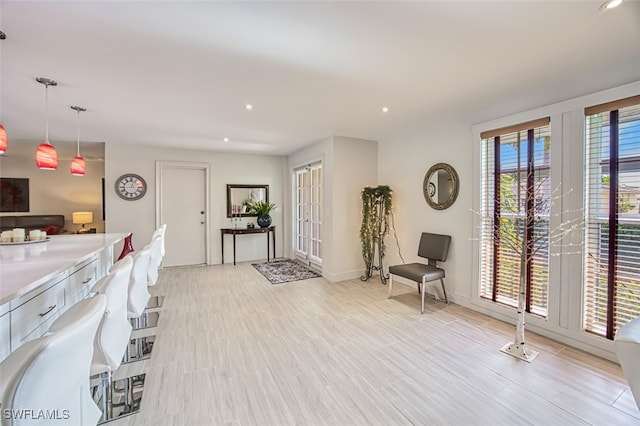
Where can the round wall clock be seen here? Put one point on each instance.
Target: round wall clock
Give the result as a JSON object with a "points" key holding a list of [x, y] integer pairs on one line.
{"points": [[130, 187]]}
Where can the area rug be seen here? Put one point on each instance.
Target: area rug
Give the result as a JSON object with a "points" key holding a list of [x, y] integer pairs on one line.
{"points": [[283, 271]]}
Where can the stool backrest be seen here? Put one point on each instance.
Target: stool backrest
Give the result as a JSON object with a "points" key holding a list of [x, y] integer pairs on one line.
{"points": [[52, 372], [138, 289], [114, 330], [434, 246], [155, 260]]}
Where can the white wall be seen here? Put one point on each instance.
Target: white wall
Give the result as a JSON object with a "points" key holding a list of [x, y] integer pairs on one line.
{"points": [[225, 168], [405, 158], [56, 191], [355, 166], [403, 162], [349, 164]]}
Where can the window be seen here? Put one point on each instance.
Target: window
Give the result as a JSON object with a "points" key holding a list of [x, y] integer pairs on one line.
{"points": [[612, 216], [516, 202]]}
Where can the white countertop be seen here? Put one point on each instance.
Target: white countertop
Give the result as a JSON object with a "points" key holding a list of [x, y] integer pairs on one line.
{"points": [[24, 267]]}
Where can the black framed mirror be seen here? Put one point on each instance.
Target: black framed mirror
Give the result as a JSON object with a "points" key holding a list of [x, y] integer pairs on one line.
{"points": [[440, 186], [240, 196]]}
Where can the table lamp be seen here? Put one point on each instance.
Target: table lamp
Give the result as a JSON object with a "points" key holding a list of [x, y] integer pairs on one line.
{"points": [[82, 218]]}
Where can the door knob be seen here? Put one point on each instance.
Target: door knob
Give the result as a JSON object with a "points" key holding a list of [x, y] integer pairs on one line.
{"points": [[201, 211], [202, 223]]}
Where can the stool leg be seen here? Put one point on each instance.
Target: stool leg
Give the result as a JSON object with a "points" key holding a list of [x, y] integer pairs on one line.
{"points": [[390, 285], [422, 295], [107, 409], [444, 291]]}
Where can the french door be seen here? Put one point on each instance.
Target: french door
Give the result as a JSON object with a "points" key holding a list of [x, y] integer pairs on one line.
{"points": [[308, 214]]}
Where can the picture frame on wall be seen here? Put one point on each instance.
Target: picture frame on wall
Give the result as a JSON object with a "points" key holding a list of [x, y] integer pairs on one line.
{"points": [[14, 195]]}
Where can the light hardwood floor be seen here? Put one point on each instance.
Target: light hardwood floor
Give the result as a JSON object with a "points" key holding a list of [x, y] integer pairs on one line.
{"points": [[233, 349]]}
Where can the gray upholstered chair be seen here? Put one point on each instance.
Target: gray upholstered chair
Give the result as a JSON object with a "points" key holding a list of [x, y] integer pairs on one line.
{"points": [[435, 248]]}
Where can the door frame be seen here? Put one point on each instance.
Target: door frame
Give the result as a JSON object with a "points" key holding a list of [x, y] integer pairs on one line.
{"points": [[161, 165], [308, 259]]}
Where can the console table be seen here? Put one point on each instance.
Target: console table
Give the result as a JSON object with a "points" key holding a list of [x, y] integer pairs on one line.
{"points": [[243, 231]]}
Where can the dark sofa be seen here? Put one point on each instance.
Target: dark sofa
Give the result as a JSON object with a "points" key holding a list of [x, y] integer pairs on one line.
{"points": [[51, 223]]}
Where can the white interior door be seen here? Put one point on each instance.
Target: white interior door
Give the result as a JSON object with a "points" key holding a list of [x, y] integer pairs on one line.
{"points": [[183, 199], [308, 214]]}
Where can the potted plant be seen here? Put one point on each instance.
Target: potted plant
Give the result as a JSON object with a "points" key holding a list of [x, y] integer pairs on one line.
{"points": [[262, 209]]}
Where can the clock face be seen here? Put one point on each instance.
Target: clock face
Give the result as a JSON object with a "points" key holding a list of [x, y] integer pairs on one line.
{"points": [[432, 189], [131, 187]]}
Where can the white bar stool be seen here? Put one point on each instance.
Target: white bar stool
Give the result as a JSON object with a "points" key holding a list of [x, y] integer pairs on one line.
{"points": [[112, 337], [52, 372], [627, 343]]}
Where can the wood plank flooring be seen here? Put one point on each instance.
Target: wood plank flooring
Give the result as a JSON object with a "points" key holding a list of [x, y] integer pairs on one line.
{"points": [[233, 349]]}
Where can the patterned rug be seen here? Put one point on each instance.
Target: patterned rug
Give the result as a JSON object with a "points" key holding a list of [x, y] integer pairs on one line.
{"points": [[282, 271]]}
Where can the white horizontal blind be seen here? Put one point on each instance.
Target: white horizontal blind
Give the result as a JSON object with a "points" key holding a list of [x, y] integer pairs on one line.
{"points": [[612, 218], [506, 211]]}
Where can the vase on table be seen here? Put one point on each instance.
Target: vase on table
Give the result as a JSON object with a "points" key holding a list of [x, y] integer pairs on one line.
{"points": [[264, 220]]}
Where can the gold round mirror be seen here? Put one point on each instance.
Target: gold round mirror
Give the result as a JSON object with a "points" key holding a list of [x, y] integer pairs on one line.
{"points": [[440, 186]]}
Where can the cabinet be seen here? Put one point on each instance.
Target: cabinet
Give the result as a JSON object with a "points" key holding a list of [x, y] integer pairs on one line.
{"points": [[5, 331], [82, 278], [32, 314]]}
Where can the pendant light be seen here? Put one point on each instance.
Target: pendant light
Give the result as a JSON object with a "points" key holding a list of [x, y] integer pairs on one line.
{"points": [[4, 141], [46, 156], [78, 165]]}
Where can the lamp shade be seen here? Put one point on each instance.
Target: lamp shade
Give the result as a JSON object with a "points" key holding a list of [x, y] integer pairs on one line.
{"points": [[78, 166], [46, 157], [81, 218], [3, 139]]}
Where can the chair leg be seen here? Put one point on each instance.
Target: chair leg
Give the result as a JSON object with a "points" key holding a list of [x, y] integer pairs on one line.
{"points": [[390, 285], [422, 295], [444, 291], [107, 409]]}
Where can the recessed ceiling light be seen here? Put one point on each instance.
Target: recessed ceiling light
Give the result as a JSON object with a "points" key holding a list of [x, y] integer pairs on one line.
{"points": [[385, 109], [226, 139], [248, 106], [610, 4]]}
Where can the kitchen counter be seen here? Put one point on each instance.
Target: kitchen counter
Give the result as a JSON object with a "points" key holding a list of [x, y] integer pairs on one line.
{"points": [[25, 267]]}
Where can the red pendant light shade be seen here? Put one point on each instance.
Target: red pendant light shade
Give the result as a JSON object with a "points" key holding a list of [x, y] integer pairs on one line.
{"points": [[3, 139], [46, 157], [78, 166]]}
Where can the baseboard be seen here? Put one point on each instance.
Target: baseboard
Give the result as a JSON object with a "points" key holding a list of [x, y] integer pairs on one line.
{"points": [[342, 276]]}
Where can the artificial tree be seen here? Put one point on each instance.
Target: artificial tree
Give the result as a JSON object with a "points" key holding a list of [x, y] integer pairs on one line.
{"points": [[376, 213]]}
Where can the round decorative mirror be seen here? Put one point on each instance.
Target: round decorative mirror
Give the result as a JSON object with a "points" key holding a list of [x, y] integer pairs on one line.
{"points": [[440, 186]]}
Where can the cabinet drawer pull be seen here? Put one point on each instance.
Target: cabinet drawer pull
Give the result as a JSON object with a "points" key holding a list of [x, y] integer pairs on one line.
{"points": [[87, 280], [51, 308]]}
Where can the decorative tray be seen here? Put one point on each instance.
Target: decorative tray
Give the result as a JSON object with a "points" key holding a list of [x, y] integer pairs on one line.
{"points": [[17, 243]]}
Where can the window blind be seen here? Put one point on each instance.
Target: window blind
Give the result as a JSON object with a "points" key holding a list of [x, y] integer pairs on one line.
{"points": [[515, 205], [612, 216]]}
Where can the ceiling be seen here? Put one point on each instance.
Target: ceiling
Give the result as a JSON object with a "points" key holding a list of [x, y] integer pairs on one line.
{"points": [[179, 74]]}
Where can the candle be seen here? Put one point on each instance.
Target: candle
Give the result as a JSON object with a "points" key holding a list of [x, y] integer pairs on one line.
{"points": [[43, 235], [6, 236], [34, 235], [18, 235]]}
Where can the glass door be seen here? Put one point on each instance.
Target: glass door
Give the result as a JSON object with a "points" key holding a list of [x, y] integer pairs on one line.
{"points": [[308, 214]]}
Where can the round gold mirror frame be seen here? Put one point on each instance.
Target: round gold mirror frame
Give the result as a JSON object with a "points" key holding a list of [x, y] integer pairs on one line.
{"points": [[440, 186]]}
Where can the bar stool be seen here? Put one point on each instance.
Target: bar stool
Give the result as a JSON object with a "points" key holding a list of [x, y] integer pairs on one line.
{"points": [[138, 288], [114, 331], [155, 259], [52, 372]]}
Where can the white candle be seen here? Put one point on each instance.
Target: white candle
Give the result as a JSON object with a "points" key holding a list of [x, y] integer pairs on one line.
{"points": [[34, 235], [6, 236], [43, 235], [18, 235]]}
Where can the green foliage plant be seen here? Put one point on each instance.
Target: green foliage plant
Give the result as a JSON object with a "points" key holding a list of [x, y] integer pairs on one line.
{"points": [[375, 223]]}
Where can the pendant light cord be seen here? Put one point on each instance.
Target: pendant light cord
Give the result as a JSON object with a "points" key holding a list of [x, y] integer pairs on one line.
{"points": [[78, 127], [46, 113]]}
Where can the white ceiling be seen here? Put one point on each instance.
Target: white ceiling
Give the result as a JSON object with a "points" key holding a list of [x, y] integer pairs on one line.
{"points": [[179, 73]]}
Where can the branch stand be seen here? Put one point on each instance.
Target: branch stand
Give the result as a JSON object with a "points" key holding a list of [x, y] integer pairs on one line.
{"points": [[375, 246]]}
